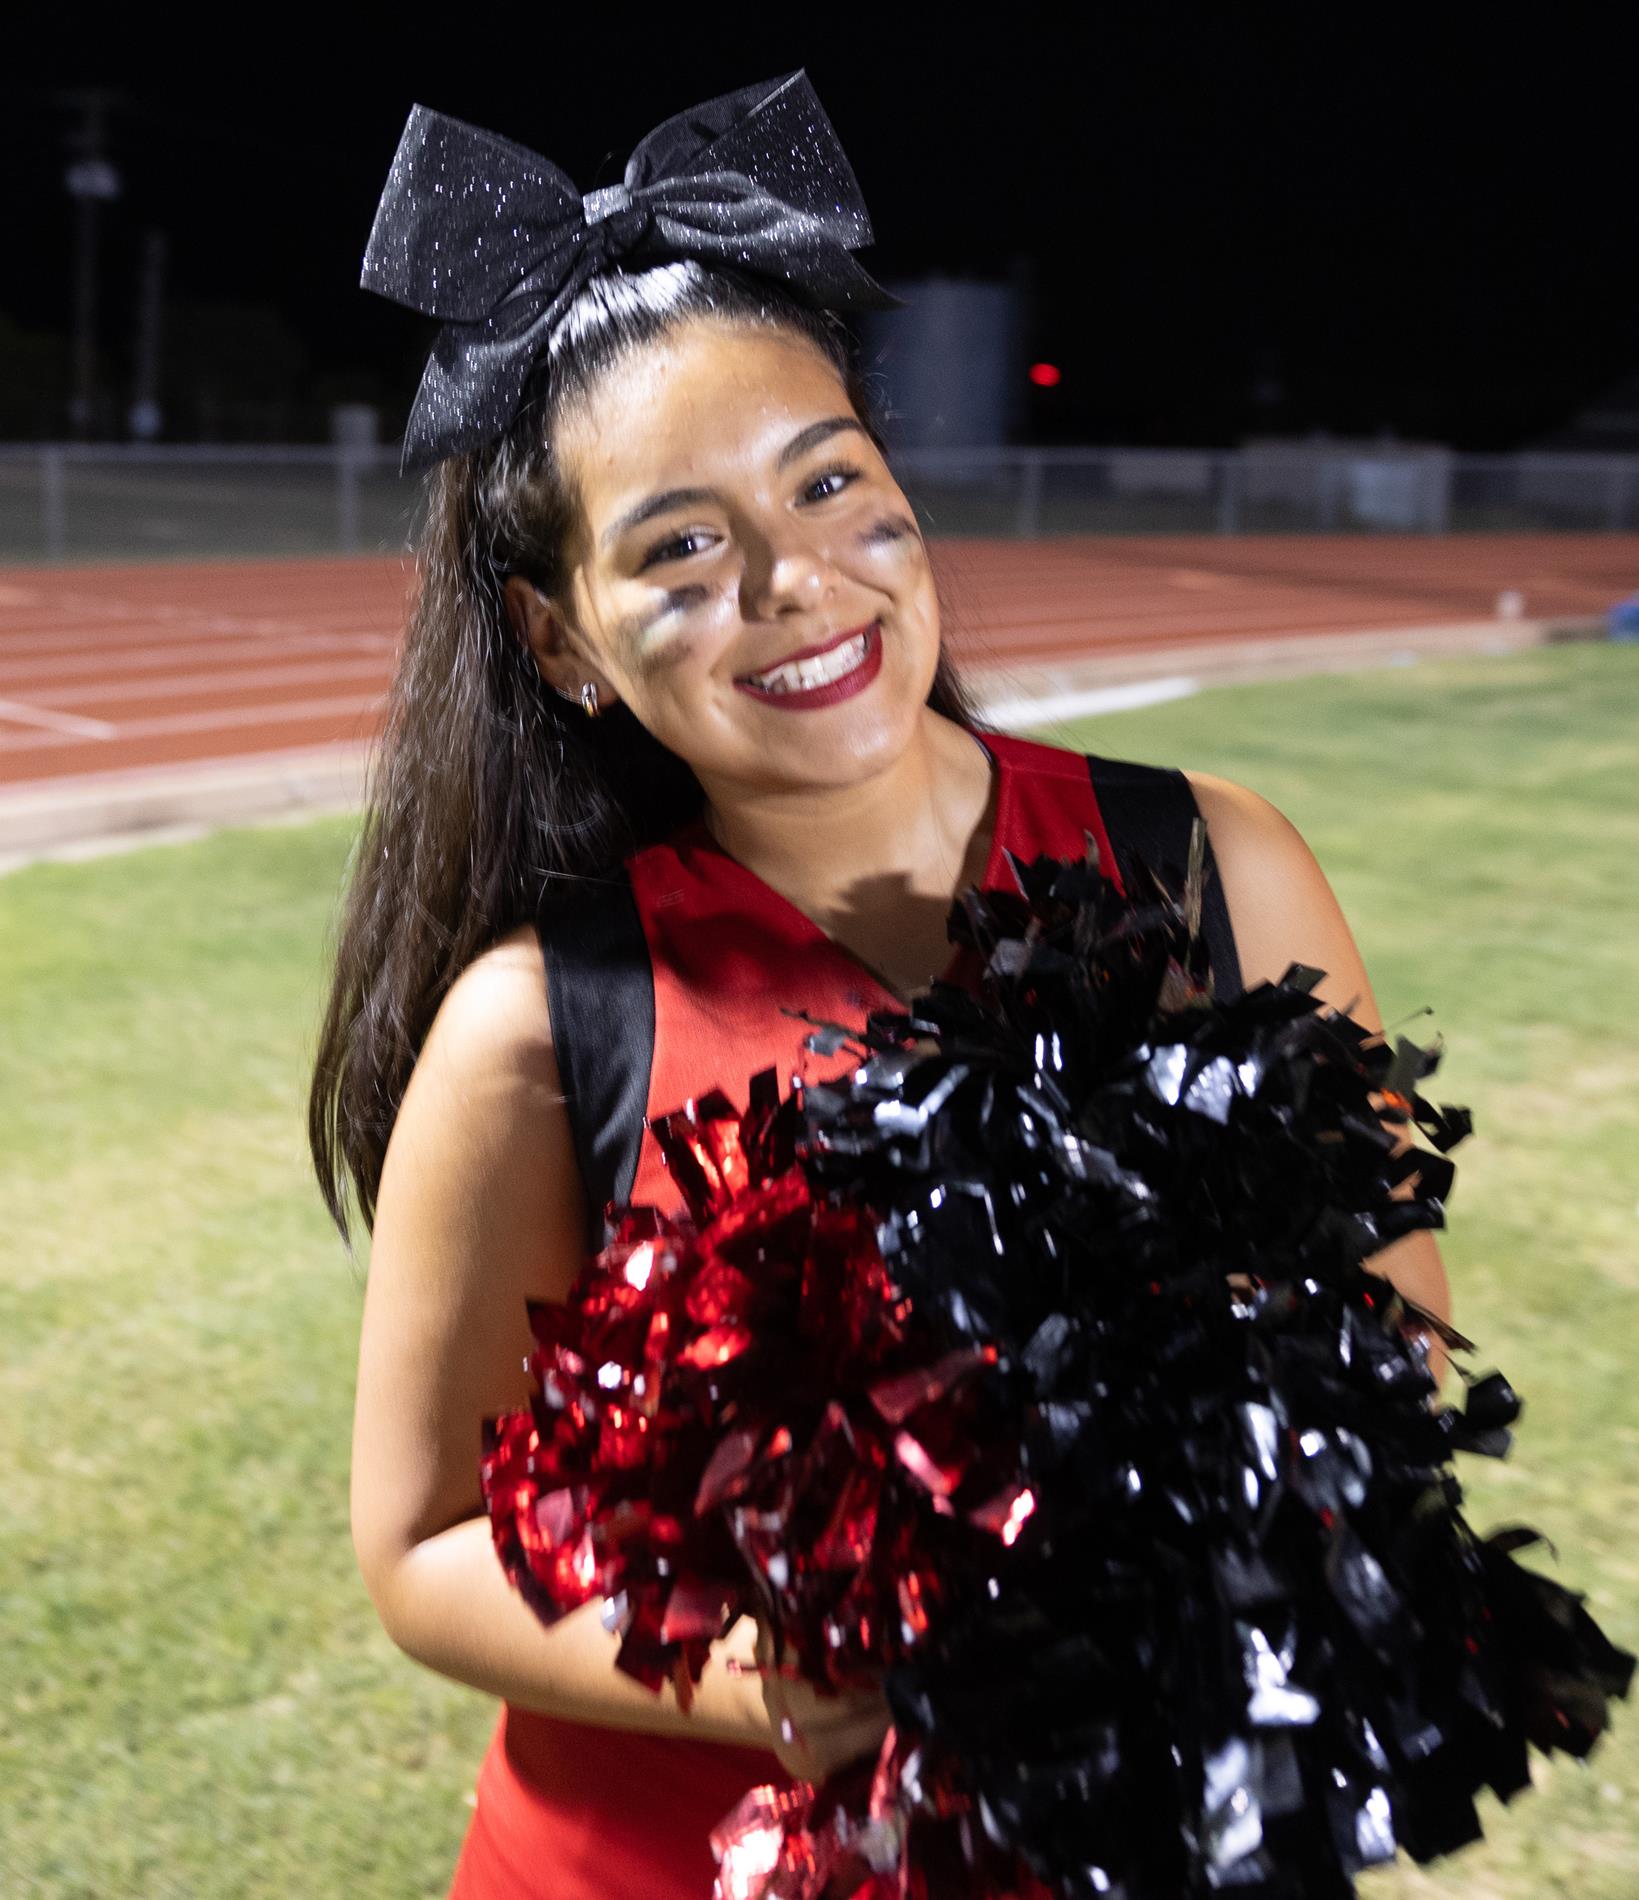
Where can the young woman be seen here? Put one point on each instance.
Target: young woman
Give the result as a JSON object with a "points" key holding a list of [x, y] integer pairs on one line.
{"points": [[677, 645]]}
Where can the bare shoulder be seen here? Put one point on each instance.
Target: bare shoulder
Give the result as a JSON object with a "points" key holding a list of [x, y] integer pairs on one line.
{"points": [[1234, 810], [482, 1130], [480, 1210], [495, 1009], [1282, 908], [1252, 839]]}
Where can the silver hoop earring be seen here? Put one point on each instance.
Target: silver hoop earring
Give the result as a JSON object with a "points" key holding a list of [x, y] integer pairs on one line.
{"points": [[586, 698]]}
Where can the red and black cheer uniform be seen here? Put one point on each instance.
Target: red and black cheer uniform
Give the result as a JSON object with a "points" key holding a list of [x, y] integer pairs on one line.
{"points": [[670, 979]]}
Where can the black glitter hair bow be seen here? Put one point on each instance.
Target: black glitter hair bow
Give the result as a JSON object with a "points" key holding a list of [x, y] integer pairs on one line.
{"points": [[494, 239]]}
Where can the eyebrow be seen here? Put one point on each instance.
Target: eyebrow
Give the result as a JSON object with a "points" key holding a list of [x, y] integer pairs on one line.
{"points": [[663, 503]]}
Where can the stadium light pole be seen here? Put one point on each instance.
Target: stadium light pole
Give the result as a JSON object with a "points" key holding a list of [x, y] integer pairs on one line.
{"points": [[90, 179], [145, 418]]}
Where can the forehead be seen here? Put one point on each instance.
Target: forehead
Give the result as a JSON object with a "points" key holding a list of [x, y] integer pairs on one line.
{"points": [[708, 396]]}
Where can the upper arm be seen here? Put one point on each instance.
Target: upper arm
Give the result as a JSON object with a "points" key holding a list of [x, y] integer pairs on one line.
{"points": [[480, 1208], [1282, 910]]}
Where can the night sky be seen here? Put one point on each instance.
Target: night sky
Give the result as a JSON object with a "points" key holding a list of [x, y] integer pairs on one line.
{"points": [[1240, 219]]}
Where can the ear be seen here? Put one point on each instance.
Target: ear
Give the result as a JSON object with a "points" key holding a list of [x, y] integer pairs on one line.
{"points": [[542, 626]]}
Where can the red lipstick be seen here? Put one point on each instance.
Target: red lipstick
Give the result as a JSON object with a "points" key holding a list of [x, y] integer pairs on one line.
{"points": [[804, 699]]}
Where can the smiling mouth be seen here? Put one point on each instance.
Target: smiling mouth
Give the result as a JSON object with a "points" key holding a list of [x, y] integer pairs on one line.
{"points": [[814, 669]]}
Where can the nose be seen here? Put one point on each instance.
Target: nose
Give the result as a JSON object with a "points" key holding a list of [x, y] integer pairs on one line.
{"points": [[787, 570]]}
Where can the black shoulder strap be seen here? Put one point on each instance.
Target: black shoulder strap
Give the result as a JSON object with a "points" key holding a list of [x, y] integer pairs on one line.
{"points": [[600, 986], [1149, 809], [600, 989]]}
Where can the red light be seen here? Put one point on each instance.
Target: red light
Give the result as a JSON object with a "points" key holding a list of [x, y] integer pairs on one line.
{"points": [[1045, 375]]}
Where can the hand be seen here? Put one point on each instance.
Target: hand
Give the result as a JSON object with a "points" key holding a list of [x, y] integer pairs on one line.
{"points": [[815, 1734]]}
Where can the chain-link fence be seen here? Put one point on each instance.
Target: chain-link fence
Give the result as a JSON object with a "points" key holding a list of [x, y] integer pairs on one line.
{"points": [[72, 502]]}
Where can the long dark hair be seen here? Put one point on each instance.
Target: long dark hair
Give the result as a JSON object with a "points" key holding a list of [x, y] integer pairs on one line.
{"points": [[488, 795]]}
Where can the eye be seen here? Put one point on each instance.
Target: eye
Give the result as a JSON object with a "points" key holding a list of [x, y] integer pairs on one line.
{"points": [[679, 547], [676, 549], [843, 473]]}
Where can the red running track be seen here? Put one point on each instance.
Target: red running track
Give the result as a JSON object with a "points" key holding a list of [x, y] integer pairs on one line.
{"points": [[105, 669]]}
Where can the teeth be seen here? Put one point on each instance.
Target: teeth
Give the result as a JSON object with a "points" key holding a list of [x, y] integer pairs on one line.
{"points": [[799, 675]]}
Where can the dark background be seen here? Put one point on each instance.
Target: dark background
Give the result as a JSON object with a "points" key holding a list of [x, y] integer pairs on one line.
{"points": [[1237, 219]]}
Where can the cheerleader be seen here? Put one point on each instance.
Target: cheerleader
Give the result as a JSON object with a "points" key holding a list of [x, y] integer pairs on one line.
{"points": [[673, 747]]}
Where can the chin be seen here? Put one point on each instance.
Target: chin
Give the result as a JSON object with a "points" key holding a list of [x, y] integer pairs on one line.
{"points": [[854, 748]]}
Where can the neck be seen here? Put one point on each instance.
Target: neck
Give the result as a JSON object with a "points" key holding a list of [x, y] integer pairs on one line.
{"points": [[910, 831]]}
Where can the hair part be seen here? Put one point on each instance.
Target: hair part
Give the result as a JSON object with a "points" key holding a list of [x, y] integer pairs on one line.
{"points": [[488, 796]]}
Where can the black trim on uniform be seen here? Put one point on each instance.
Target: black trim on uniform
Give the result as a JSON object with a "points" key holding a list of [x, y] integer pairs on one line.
{"points": [[600, 988], [600, 984], [1149, 809]]}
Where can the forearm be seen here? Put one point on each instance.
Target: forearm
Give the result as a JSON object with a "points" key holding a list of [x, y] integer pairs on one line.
{"points": [[1413, 1265], [450, 1605]]}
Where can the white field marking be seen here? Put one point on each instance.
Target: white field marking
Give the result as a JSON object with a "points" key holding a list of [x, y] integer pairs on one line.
{"points": [[1009, 713], [54, 621], [75, 661], [71, 725], [221, 720], [138, 636], [78, 610], [272, 626], [80, 607], [1141, 620], [114, 686]]}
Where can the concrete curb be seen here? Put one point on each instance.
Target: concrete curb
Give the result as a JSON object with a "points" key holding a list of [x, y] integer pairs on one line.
{"points": [[84, 817], [76, 817], [1019, 693]]}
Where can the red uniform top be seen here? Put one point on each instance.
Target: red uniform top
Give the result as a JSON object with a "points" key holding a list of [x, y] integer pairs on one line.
{"points": [[573, 1811]]}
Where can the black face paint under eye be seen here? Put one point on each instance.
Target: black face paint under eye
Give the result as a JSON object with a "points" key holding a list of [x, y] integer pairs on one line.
{"points": [[633, 635], [889, 528], [674, 600]]}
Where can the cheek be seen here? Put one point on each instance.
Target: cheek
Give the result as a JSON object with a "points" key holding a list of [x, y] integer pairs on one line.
{"points": [[891, 530], [889, 548], [677, 637], [897, 561]]}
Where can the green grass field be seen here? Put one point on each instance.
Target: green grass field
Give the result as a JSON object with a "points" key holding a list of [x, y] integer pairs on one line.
{"points": [[197, 1700]]}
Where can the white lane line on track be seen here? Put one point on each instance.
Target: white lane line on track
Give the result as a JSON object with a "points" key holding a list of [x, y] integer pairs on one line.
{"points": [[205, 721], [59, 725], [176, 685], [76, 664], [110, 646]]}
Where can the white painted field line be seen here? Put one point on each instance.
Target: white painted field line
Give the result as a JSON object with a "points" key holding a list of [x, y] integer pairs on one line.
{"points": [[1011, 714], [105, 663], [221, 720], [72, 725], [43, 644], [112, 685]]}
